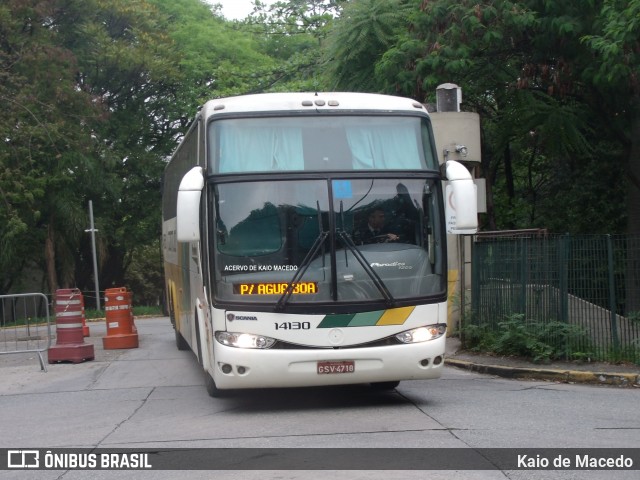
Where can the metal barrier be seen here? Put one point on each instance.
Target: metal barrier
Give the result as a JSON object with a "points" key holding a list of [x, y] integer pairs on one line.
{"points": [[591, 282], [25, 326]]}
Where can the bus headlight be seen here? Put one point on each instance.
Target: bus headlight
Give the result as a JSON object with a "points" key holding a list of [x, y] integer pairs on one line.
{"points": [[422, 334], [244, 340]]}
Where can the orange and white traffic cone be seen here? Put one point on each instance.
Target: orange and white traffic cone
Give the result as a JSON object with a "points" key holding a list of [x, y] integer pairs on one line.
{"points": [[85, 327], [121, 331], [70, 346]]}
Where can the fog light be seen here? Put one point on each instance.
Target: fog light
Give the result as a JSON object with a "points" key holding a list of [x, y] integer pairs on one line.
{"points": [[437, 360], [241, 370], [226, 368], [424, 362]]}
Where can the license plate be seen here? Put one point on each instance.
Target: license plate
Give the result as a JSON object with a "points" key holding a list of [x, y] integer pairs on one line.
{"points": [[344, 366]]}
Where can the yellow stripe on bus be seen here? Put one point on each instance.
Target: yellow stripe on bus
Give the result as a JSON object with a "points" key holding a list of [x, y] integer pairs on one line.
{"points": [[395, 316]]}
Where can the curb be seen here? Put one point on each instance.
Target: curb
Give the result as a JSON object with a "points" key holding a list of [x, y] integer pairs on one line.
{"points": [[564, 376]]}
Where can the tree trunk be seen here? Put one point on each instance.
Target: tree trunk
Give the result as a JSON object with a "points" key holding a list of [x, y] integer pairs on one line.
{"points": [[508, 174], [50, 258], [633, 199], [489, 176]]}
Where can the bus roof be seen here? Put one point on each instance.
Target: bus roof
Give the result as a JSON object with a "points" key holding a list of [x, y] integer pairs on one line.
{"points": [[296, 102]]}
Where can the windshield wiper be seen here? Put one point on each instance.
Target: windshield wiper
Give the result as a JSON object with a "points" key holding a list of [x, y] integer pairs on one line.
{"points": [[301, 271], [319, 242], [377, 281], [304, 266]]}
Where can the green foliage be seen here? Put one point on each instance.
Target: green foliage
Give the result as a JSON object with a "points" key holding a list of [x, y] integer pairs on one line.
{"points": [[145, 277], [292, 33], [617, 44], [365, 30], [215, 59], [549, 112], [96, 94], [616, 72], [517, 338], [47, 144], [539, 341]]}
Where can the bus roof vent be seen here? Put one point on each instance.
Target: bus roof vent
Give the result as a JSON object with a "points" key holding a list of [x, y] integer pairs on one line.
{"points": [[307, 103], [220, 106], [333, 103]]}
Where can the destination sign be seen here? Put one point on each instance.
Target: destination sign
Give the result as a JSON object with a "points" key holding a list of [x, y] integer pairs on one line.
{"points": [[274, 288]]}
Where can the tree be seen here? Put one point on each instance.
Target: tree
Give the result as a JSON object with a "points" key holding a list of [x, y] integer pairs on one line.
{"points": [[365, 31], [98, 94], [521, 66], [47, 143], [617, 73], [215, 58], [292, 33], [89, 82]]}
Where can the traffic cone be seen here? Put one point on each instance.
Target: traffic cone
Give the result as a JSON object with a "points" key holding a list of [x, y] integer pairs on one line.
{"points": [[85, 327], [121, 331], [70, 346]]}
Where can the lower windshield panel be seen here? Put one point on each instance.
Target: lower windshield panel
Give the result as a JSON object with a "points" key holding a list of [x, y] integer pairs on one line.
{"points": [[273, 241]]}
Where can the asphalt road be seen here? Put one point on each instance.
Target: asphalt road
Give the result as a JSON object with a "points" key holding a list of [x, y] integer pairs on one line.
{"points": [[154, 397]]}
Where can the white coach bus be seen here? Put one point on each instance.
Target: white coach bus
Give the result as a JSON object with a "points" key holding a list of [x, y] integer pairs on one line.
{"points": [[304, 241]]}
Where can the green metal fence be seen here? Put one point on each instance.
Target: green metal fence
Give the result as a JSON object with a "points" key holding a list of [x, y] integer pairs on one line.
{"points": [[591, 282]]}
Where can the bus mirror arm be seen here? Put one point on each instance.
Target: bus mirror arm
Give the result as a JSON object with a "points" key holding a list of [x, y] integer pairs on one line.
{"points": [[188, 206]]}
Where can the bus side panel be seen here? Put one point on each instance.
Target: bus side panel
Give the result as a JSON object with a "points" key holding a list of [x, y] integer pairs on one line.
{"points": [[197, 316], [179, 262], [176, 282]]}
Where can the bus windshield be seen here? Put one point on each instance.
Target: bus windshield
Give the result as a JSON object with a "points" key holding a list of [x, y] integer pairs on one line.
{"points": [[327, 240], [318, 143]]}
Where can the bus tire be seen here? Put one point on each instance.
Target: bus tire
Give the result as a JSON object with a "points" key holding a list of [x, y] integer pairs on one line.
{"points": [[198, 344], [212, 389], [181, 343], [384, 386]]}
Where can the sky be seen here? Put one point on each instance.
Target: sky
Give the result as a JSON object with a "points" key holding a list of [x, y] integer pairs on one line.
{"points": [[236, 9]]}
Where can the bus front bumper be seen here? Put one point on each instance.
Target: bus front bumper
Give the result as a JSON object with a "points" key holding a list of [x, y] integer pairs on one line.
{"points": [[237, 368]]}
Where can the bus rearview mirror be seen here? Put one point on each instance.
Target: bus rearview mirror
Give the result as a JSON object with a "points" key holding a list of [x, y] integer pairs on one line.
{"points": [[188, 207]]}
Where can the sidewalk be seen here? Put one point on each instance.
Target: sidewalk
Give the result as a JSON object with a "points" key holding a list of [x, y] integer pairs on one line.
{"points": [[597, 373]]}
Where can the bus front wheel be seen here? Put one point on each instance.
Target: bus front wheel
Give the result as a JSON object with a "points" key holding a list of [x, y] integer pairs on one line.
{"points": [[212, 389]]}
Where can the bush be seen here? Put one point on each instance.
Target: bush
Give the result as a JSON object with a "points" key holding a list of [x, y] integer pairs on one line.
{"points": [[539, 341]]}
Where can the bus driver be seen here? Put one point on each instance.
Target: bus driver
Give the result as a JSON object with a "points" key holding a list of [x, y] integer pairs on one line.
{"points": [[376, 231]]}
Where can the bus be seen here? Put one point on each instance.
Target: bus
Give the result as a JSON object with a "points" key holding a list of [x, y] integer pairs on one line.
{"points": [[275, 276]]}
